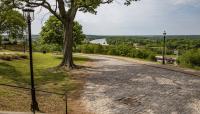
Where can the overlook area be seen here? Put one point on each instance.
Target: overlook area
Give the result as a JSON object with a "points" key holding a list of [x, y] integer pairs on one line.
{"points": [[99, 57]]}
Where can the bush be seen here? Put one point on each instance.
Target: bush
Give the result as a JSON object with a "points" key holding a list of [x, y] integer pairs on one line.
{"points": [[152, 57], [112, 51], [46, 47], [121, 50], [90, 48], [190, 59], [98, 49], [86, 49]]}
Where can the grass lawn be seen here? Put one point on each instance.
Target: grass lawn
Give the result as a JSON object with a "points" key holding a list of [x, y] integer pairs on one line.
{"points": [[47, 77]]}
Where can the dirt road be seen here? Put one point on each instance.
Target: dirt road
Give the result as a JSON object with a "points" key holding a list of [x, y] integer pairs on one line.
{"points": [[120, 87]]}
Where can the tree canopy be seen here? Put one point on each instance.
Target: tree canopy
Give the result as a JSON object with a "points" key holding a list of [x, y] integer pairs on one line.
{"points": [[11, 22], [52, 32]]}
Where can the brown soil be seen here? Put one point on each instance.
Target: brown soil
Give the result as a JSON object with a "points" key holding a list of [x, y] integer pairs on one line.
{"points": [[75, 104]]}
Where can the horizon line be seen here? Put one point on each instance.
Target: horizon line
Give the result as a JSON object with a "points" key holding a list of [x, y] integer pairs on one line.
{"points": [[142, 35]]}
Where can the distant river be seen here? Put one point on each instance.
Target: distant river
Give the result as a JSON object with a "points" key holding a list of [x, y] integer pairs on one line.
{"points": [[99, 41]]}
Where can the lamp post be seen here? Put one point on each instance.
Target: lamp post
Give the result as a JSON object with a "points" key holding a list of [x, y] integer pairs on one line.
{"points": [[29, 16], [164, 46]]}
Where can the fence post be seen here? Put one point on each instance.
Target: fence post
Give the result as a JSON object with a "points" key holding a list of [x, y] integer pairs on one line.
{"points": [[66, 103]]}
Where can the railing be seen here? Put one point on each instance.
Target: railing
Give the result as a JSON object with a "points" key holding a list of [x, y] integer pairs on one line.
{"points": [[63, 95]]}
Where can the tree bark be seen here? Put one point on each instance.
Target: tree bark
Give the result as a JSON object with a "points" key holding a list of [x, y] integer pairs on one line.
{"points": [[67, 20], [68, 44]]}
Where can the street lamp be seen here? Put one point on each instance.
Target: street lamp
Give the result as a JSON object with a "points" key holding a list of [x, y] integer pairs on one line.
{"points": [[164, 46], [28, 14]]}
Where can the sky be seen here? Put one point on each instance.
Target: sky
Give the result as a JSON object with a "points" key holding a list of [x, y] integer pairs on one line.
{"points": [[146, 17]]}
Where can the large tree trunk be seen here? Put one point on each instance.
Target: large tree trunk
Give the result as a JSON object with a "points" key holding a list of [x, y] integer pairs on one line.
{"points": [[67, 45], [67, 20]]}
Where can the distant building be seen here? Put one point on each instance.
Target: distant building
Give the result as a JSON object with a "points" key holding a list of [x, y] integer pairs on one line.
{"points": [[167, 59], [99, 41]]}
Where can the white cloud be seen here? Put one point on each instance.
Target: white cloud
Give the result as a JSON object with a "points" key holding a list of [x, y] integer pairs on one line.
{"points": [[113, 19], [144, 17], [185, 2]]}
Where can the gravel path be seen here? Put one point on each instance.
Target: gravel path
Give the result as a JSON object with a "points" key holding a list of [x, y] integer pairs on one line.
{"points": [[120, 87]]}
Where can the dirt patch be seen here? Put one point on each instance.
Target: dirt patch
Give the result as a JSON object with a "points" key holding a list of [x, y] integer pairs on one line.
{"points": [[75, 104]]}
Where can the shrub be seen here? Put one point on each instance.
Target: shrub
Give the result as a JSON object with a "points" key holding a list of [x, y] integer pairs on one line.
{"points": [[152, 57], [86, 49], [190, 59], [112, 50], [89, 48], [121, 50], [98, 49], [46, 47]]}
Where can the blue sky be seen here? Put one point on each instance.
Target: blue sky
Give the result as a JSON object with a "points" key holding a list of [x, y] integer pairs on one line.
{"points": [[146, 17]]}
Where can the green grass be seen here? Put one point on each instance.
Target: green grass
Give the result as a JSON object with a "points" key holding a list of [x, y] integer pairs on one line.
{"points": [[47, 77]]}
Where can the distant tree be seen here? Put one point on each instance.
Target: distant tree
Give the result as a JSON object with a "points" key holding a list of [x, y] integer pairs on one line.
{"points": [[11, 23], [78, 36], [52, 32]]}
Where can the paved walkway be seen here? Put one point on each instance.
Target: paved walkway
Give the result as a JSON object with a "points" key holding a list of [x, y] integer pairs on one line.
{"points": [[116, 86]]}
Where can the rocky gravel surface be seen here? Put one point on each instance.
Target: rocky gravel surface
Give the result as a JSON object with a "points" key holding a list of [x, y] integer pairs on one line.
{"points": [[120, 87]]}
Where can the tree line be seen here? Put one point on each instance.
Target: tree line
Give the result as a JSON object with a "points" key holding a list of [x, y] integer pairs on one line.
{"points": [[155, 43]]}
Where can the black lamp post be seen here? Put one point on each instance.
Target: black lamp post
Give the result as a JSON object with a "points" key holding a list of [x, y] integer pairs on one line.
{"points": [[29, 16], [164, 46]]}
